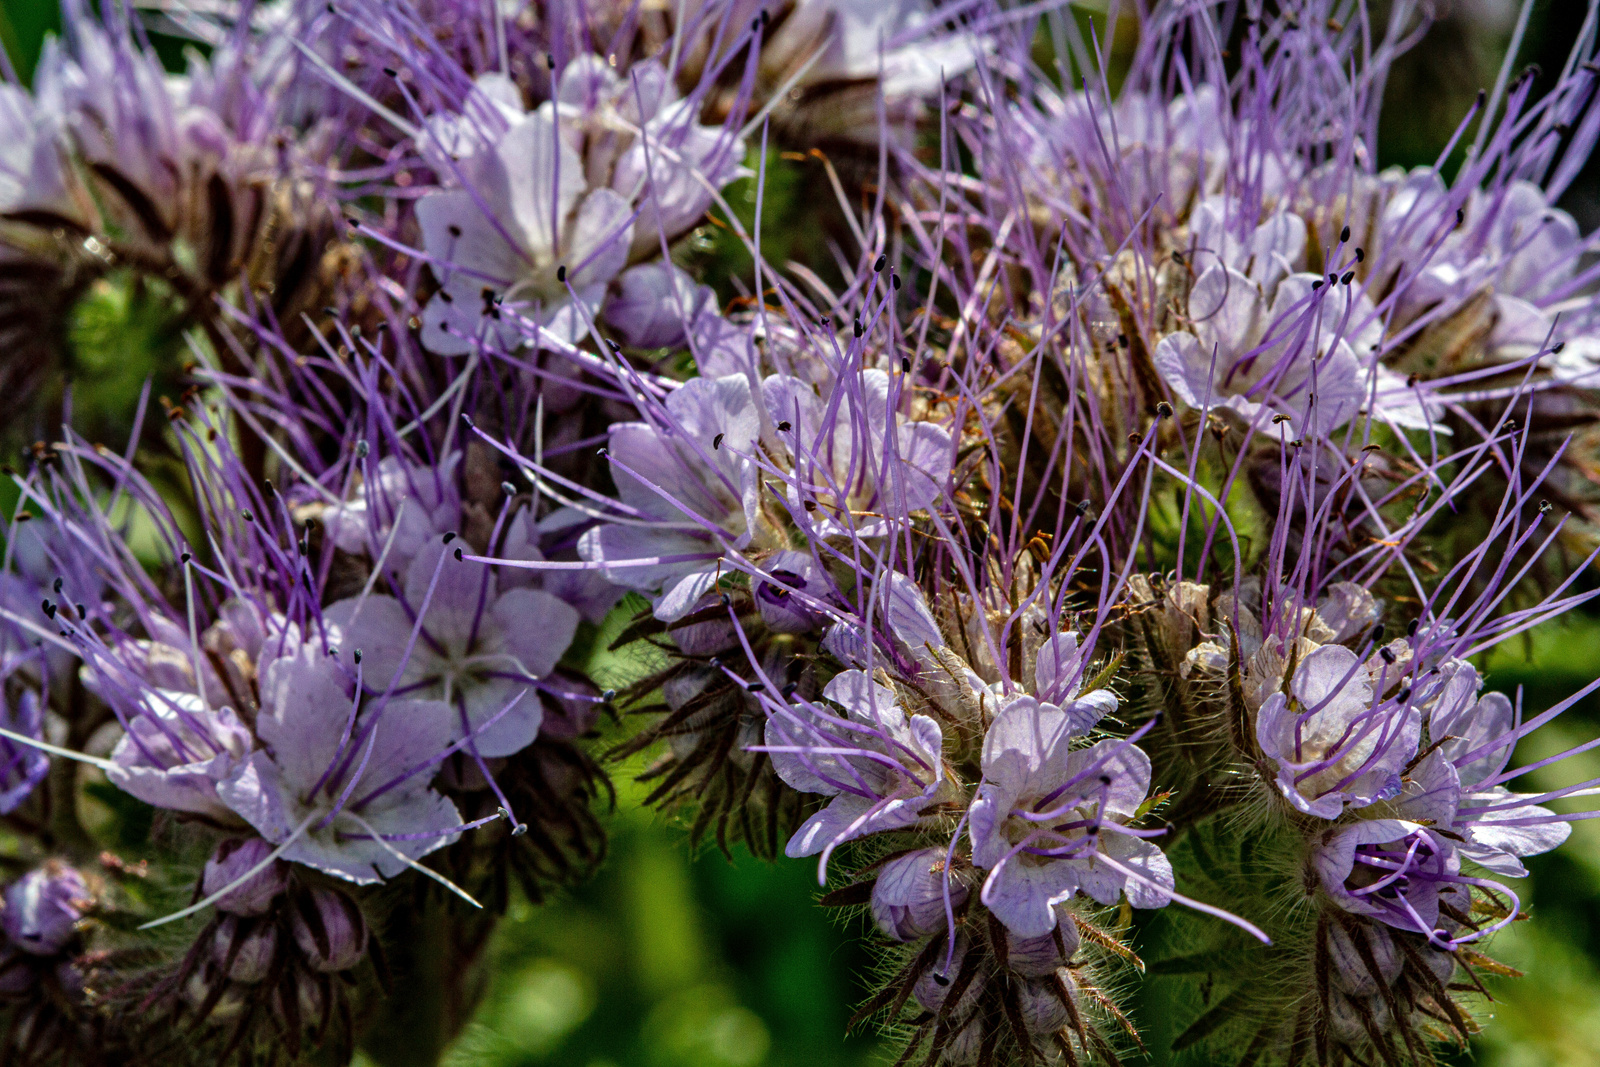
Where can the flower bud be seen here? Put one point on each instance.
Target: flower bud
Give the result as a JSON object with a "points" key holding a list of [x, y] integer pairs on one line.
{"points": [[43, 908], [1441, 963], [934, 984], [257, 945], [1038, 957], [908, 898], [1350, 970], [1042, 1009], [1349, 1018], [330, 930], [965, 1047], [230, 862]]}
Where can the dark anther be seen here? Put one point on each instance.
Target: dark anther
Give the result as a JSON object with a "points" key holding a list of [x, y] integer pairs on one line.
{"points": [[1122, 340], [550, 60], [1557, 347], [1081, 507], [1483, 97], [894, 280], [905, 364], [49, 609], [1105, 779], [1544, 507], [1403, 696], [356, 655], [247, 515], [1387, 653], [185, 558], [455, 231], [56, 585], [561, 273], [1412, 379], [727, 601], [1377, 634], [883, 261], [609, 695], [1411, 627], [1344, 235], [715, 662], [449, 537], [1163, 410], [858, 327], [940, 979], [1278, 420], [508, 489], [391, 72], [362, 448], [825, 320], [601, 452], [755, 687], [811, 505], [1361, 254], [790, 690], [716, 442], [1461, 216], [458, 555], [1347, 277], [1332, 278], [1316, 284], [466, 420], [784, 427], [1136, 438]]}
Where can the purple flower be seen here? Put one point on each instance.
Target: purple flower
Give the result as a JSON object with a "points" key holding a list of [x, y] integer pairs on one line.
{"points": [[1390, 869], [477, 648], [1049, 820], [1334, 740], [497, 243], [655, 304], [1057, 688], [177, 749], [857, 464], [347, 794], [905, 628], [883, 768], [43, 908], [402, 507], [1300, 347], [22, 767], [688, 488], [547, 208]]}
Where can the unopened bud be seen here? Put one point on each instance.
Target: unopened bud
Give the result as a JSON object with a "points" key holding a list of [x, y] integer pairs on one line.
{"points": [[330, 930], [1037, 957], [908, 899], [230, 862], [252, 946]]}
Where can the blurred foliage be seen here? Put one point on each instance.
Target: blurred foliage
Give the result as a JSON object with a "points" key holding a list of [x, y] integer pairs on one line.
{"points": [[672, 960]]}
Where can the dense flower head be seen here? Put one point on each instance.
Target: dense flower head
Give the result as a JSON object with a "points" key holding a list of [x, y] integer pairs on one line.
{"points": [[1118, 518]]}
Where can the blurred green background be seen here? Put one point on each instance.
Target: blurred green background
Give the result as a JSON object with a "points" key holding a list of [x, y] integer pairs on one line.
{"points": [[667, 959]]}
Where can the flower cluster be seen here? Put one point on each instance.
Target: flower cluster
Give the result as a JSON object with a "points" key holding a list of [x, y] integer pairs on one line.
{"points": [[1094, 558]]}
